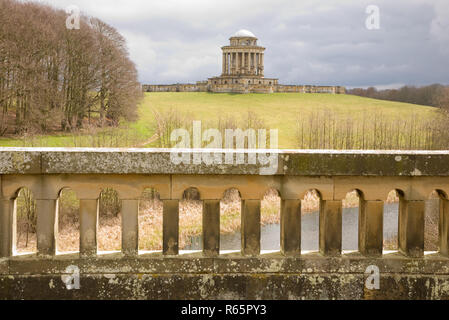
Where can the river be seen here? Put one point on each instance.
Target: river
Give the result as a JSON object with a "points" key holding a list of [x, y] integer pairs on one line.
{"points": [[270, 234]]}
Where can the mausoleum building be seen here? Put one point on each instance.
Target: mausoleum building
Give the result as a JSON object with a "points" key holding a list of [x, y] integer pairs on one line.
{"points": [[243, 72]]}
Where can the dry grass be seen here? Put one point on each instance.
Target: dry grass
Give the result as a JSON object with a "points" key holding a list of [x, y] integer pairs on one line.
{"points": [[22, 246], [190, 221], [109, 233], [68, 239], [150, 224]]}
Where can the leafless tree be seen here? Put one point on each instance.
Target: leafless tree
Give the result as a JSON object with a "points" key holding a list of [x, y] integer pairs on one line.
{"points": [[53, 78]]}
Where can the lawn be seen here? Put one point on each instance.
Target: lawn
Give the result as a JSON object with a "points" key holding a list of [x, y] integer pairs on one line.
{"points": [[281, 110], [278, 111]]}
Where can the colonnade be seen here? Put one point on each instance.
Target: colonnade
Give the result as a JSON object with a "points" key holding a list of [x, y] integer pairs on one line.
{"points": [[243, 62]]}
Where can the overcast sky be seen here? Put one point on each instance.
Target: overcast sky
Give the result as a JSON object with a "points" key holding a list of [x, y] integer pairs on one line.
{"points": [[308, 42]]}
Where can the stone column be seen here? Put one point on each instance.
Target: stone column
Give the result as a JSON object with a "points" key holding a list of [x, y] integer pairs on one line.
{"points": [[250, 227], [411, 228], [170, 230], [444, 227], [330, 227], [291, 227], [253, 63], [211, 227], [262, 64], [88, 227], [45, 227], [237, 67], [7, 228], [224, 63], [130, 227], [371, 227], [256, 63]]}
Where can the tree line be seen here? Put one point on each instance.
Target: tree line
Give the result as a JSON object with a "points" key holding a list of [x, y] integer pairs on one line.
{"points": [[435, 95], [55, 78]]}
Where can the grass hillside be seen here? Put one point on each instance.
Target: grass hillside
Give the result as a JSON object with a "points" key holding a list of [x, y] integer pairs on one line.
{"points": [[277, 111], [282, 110]]}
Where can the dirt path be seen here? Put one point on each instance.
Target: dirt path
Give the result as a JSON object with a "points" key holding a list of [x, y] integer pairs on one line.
{"points": [[153, 138]]}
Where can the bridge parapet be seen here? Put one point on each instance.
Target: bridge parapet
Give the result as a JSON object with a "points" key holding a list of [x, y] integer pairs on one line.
{"points": [[251, 274]]}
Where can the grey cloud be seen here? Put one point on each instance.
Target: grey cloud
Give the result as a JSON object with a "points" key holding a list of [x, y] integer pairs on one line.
{"points": [[308, 42]]}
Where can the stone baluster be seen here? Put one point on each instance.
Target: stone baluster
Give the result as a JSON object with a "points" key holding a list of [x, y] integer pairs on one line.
{"points": [[45, 227], [330, 233], [291, 227], [130, 227], [88, 227], [411, 227], [444, 227], [371, 227], [250, 227], [170, 229], [211, 227], [7, 230]]}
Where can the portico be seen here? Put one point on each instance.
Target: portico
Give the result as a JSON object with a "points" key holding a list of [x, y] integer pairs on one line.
{"points": [[243, 66]]}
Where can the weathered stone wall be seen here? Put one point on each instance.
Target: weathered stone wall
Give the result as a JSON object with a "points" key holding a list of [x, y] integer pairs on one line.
{"points": [[190, 276], [310, 89], [210, 274], [229, 85], [198, 87]]}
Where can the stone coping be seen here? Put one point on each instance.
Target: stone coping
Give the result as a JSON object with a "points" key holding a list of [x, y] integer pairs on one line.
{"points": [[287, 162], [154, 262]]}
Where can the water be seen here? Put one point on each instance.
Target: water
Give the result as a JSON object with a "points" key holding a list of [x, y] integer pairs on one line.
{"points": [[270, 234]]}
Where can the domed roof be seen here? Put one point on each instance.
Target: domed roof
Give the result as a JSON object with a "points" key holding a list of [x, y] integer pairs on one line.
{"points": [[244, 33]]}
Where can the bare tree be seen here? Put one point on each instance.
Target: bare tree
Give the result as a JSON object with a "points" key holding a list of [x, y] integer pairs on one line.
{"points": [[50, 75]]}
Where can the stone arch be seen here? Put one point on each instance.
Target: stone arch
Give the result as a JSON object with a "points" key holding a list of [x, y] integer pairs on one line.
{"points": [[270, 219], [109, 232], [230, 220], [192, 193], [310, 213], [190, 220], [392, 207], [150, 220], [67, 221], [435, 207], [24, 237], [351, 212]]}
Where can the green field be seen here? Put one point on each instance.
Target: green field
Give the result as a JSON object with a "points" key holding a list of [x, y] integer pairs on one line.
{"points": [[278, 111]]}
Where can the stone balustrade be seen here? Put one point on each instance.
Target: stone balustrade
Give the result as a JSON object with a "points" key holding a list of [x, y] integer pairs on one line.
{"points": [[329, 273]]}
